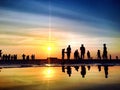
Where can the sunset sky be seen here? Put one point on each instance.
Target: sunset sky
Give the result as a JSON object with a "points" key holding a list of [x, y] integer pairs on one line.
{"points": [[31, 26]]}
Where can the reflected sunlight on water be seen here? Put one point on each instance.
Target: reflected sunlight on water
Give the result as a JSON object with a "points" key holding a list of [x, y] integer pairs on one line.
{"points": [[58, 78], [48, 72]]}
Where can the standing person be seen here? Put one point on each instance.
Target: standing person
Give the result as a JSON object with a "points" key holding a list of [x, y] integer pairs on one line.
{"points": [[27, 58], [82, 49], [68, 52], [116, 57], [88, 54], [15, 56], [0, 54], [33, 57], [23, 56], [110, 57], [76, 55], [63, 54], [104, 51], [99, 55]]}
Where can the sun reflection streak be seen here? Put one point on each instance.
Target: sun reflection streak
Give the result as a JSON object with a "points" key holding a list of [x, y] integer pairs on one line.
{"points": [[49, 72]]}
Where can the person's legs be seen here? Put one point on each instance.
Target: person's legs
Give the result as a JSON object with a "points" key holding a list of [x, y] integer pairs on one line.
{"points": [[81, 55]]}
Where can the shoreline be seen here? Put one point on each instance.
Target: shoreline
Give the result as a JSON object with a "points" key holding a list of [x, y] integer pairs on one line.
{"points": [[55, 63]]}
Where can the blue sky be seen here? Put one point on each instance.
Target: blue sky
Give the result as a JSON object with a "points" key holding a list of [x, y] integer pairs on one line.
{"points": [[93, 21], [97, 13]]}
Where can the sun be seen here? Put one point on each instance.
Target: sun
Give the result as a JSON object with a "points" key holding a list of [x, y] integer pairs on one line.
{"points": [[49, 48]]}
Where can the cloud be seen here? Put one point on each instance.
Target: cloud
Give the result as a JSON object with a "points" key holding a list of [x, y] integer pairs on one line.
{"points": [[20, 23]]}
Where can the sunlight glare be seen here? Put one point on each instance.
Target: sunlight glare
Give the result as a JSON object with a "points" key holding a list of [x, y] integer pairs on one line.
{"points": [[49, 48], [48, 72]]}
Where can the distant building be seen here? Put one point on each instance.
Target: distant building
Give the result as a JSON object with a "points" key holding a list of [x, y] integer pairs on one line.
{"points": [[52, 59]]}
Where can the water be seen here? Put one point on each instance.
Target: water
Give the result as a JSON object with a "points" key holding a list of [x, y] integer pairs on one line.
{"points": [[61, 78]]}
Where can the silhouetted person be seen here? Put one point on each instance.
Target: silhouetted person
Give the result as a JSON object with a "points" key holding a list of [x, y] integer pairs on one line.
{"points": [[99, 68], [98, 55], [68, 52], [76, 68], [83, 71], [15, 57], [116, 57], [106, 71], [12, 57], [104, 51], [27, 58], [82, 49], [88, 55], [110, 57], [63, 68], [63, 54], [3, 57], [23, 56], [0, 54], [8, 57], [88, 68], [33, 57], [76, 55], [69, 70]]}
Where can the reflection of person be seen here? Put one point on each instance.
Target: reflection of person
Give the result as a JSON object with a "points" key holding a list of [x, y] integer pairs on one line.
{"points": [[63, 68], [83, 71], [88, 68], [82, 49], [76, 68], [68, 52], [99, 68], [69, 70], [106, 71]]}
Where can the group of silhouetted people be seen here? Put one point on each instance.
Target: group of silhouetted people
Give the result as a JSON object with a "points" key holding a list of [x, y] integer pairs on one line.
{"points": [[82, 53], [76, 53], [27, 57], [7, 56], [68, 52], [69, 70], [14, 56]]}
